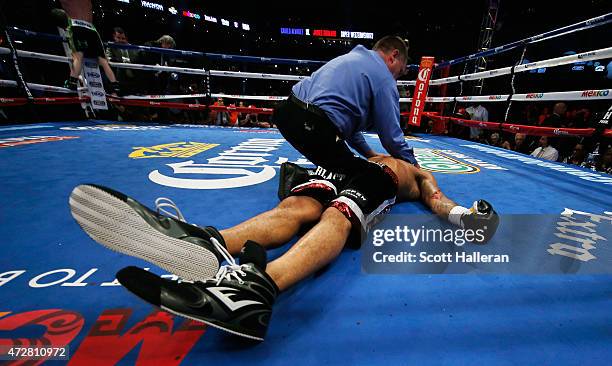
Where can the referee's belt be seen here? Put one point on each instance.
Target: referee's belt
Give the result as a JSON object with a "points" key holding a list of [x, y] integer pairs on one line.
{"points": [[308, 107]]}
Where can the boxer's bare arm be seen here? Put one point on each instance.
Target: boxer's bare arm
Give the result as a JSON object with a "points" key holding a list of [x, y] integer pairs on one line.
{"points": [[431, 195], [417, 184], [107, 69]]}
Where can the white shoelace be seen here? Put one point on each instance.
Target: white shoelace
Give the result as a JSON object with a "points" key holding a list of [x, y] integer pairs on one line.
{"points": [[162, 203], [232, 269]]}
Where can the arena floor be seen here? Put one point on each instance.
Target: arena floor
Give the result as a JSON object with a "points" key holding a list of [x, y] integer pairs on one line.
{"points": [[56, 284]]}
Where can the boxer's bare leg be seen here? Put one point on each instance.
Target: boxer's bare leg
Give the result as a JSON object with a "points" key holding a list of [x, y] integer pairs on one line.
{"points": [[275, 227], [321, 245], [77, 64]]}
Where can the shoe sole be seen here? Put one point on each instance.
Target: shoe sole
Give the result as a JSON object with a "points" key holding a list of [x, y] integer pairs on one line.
{"points": [[209, 323], [113, 223], [147, 287]]}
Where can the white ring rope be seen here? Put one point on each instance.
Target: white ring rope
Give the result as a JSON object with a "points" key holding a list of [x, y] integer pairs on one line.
{"points": [[250, 97], [558, 61], [254, 75], [37, 55], [564, 60], [33, 86], [602, 53], [184, 70], [598, 94]]}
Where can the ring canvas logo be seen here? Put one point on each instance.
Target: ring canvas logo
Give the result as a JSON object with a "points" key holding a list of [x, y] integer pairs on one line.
{"points": [[28, 140], [438, 162], [577, 234], [243, 165], [114, 127], [171, 150]]}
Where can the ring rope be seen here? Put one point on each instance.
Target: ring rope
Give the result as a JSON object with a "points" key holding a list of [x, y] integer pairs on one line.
{"points": [[518, 128], [34, 86], [602, 53], [10, 102], [175, 52]]}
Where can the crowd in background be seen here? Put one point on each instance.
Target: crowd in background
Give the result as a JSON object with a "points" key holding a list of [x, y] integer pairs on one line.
{"points": [[586, 152]]}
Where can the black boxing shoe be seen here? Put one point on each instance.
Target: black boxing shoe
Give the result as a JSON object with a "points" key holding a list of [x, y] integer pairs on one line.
{"points": [[482, 217], [122, 224], [238, 300]]}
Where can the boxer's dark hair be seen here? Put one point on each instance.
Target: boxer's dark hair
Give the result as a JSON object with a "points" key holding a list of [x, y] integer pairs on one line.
{"points": [[389, 43]]}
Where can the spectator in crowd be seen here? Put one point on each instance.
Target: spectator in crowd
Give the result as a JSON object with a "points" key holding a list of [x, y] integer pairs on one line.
{"points": [[457, 130], [160, 80], [482, 138], [605, 164], [520, 144], [558, 118], [166, 41], [126, 77], [429, 126], [219, 117], [494, 140], [233, 114], [545, 151], [578, 156], [119, 54], [531, 114], [477, 113], [263, 124], [581, 118], [544, 114], [250, 119]]}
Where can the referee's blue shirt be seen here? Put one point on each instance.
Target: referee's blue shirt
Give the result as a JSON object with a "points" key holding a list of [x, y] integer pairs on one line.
{"points": [[358, 92]]}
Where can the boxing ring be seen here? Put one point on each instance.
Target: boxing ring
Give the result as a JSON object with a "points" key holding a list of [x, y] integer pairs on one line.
{"points": [[58, 287]]}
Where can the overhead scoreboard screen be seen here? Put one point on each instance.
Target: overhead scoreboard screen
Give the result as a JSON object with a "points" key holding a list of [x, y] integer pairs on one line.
{"points": [[329, 33]]}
